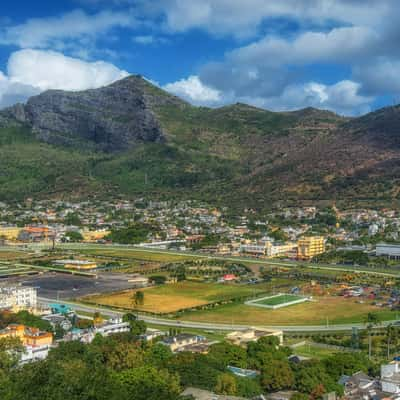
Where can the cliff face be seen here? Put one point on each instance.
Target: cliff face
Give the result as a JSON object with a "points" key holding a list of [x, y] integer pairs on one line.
{"points": [[112, 118]]}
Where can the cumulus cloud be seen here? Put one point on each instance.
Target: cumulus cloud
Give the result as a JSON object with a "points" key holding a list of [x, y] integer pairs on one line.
{"points": [[33, 71], [342, 97], [244, 18], [193, 90], [52, 70], [69, 30]]}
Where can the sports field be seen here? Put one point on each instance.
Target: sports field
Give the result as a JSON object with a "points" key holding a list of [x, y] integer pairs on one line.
{"points": [[277, 300], [177, 296]]}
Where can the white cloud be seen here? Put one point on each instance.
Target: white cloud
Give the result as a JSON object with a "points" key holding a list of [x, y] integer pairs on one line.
{"points": [[57, 32], [33, 71], [342, 97], [244, 18], [193, 90], [339, 44]]}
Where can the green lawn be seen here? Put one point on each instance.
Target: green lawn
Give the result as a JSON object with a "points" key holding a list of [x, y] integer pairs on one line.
{"points": [[312, 351], [284, 298], [319, 311]]}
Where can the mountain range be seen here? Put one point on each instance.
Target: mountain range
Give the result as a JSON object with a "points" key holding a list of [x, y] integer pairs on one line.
{"points": [[131, 138]]}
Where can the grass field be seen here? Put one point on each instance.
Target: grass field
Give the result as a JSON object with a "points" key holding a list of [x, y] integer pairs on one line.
{"points": [[274, 301], [177, 296], [322, 310], [313, 351]]}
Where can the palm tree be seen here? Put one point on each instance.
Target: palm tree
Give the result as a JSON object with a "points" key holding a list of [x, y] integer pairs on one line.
{"points": [[371, 321]]}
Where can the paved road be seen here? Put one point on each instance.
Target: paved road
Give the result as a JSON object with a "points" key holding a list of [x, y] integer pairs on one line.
{"points": [[205, 325]]}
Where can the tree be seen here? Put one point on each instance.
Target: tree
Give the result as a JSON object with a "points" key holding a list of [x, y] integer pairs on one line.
{"points": [[300, 396], [277, 376], [392, 337], [346, 364], [310, 374], [124, 356], [224, 354], [148, 383], [371, 321], [136, 327], [73, 236], [72, 219], [317, 392], [226, 385], [158, 279], [138, 298]]}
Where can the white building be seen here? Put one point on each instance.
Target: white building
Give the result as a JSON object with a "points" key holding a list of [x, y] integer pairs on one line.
{"points": [[373, 229], [390, 378], [391, 251], [34, 353], [268, 248], [17, 297], [113, 327]]}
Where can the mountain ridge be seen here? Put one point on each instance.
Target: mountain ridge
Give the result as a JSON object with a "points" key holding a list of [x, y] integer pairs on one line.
{"points": [[133, 138]]}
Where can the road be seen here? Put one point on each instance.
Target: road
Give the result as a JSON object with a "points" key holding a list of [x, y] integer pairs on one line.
{"points": [[78, 307]]}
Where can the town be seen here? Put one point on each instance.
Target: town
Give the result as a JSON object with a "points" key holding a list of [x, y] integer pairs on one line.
{"points": [[314, 286]]}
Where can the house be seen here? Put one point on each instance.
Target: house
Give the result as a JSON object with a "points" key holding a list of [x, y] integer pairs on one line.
{"points": [[228, 278], [391, 251], [115, 326], [252, 335], [359, 386], [179, 342], [36, 234], [58, 320], [34, 353], [17, 297], [151, 334], [29, 336], [390, 377]]}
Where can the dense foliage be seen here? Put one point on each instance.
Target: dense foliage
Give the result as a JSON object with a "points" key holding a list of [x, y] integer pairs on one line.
{"points": [[123, 367]]}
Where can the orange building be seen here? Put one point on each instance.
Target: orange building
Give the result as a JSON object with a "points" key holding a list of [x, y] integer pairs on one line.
{"points": [[35, 234], [28, 336]]}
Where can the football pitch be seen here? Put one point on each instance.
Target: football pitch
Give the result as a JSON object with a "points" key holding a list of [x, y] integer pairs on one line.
{"points": [[277, 301]]}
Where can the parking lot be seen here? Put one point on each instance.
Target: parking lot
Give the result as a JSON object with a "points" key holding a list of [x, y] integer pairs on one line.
{"points": [[67, 286]]}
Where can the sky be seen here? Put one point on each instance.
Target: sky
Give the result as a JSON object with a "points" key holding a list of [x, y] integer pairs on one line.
{"points": [[340, 55]]}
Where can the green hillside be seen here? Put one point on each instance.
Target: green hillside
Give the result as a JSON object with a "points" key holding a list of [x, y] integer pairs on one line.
{"points": [[238, 155]]}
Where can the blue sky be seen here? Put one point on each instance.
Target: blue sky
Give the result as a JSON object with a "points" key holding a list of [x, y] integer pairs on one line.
{"points": [[341, 55]]}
